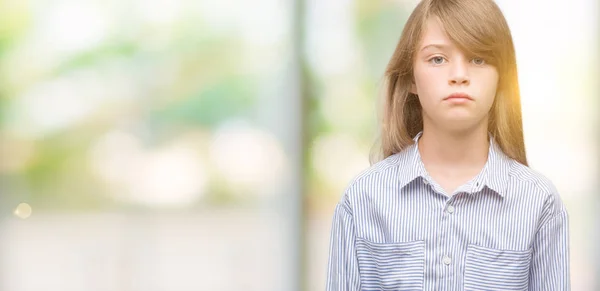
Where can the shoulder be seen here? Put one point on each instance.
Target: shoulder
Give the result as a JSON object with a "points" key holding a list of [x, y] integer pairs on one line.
{"points": [[378, 175], [539, 187]]}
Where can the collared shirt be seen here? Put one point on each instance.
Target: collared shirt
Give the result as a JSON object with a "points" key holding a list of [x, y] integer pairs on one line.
{"points": [[395, 228]]}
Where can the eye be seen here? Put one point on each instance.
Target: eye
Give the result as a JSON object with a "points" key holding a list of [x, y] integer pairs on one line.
{"points": [[478, 61], [437, 60]]}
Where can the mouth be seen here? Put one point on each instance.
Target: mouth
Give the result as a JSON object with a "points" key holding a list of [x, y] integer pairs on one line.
{"points": [[459, 96]]}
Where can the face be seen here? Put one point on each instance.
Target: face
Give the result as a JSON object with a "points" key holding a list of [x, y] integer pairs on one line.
{"points": [[455, 91]]}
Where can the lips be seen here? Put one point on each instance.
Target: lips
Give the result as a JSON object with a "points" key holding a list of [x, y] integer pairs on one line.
{"points": [[459, 96]]}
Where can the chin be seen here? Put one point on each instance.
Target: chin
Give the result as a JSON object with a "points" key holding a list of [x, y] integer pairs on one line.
{"points": [[462, 122], [459, 123], [460, 118]]}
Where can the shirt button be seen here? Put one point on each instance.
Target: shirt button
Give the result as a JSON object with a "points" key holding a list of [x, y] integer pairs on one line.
{"points": [[450, 209], [447, 260]]}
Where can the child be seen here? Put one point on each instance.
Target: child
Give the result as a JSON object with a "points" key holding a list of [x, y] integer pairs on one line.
{"points": [[452, 205]]}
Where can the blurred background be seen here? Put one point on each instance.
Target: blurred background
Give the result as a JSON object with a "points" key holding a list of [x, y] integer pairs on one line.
{"points": [[202, 145]]}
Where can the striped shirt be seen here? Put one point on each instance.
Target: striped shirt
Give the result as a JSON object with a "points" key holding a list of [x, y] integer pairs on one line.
{"points": [[395, 228]]}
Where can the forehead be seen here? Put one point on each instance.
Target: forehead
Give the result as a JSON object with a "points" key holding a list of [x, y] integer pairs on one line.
{"points": [[434, 33]]}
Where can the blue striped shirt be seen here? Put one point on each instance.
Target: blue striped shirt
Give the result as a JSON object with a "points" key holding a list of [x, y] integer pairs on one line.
{"points": [[396, 229]]}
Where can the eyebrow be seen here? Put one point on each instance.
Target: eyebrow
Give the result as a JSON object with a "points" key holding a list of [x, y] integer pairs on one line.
{"points": [[435, 45]]}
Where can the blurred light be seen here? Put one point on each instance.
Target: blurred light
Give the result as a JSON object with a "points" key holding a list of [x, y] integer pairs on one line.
{"points": [[171, 176], [338, 158], [220, 16], [160, 12], [247, 157], [71, 26], [60, 103], [51, 106], [267, 24], [333, 48], [115, 157], [23, 211]]}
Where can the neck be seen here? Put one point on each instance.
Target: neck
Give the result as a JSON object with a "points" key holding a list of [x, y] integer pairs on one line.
{"points": [[464, 149]]}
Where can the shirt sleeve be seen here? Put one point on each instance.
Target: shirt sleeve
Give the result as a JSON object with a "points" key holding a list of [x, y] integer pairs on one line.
{"points": [[550, 258], [342, 272]]}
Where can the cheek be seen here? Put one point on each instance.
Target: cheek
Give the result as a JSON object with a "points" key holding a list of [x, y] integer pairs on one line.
{"points": [[490, 85], [429, 88], [427, 82]]}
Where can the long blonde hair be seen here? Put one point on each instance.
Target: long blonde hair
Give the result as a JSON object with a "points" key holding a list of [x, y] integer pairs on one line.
{"points": [[478, 28]]}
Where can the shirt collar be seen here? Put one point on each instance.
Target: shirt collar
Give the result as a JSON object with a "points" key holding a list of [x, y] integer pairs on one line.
{"points": [[411, 165], [494, 175]]}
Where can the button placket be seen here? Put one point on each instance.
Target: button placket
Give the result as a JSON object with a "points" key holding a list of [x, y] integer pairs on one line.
{"points": [[450, 208], [447, 260], [442, 243], [447, 256]]}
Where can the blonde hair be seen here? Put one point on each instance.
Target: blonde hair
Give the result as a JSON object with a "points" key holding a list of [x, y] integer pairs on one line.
{"points": [[478, 28]]}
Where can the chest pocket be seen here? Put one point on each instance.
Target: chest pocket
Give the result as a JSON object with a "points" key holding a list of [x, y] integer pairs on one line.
{"points": [[391, 266], [493, 269]]}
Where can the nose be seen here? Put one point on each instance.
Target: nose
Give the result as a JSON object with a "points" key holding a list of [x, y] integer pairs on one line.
{"points": [[459, 74]]}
